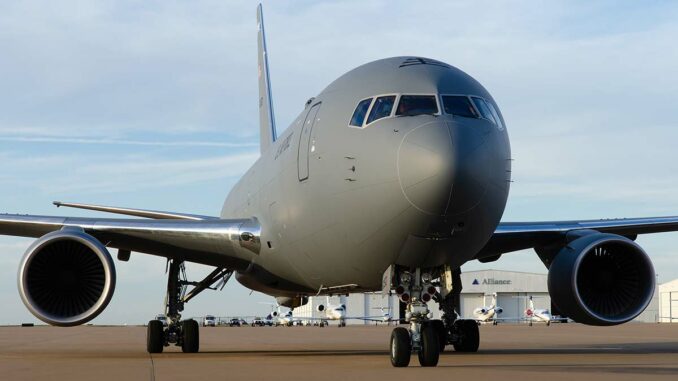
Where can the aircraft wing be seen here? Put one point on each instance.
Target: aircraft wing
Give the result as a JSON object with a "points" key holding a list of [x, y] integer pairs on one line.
{"points": [[513, 236], [227, 243], [155, 214]]}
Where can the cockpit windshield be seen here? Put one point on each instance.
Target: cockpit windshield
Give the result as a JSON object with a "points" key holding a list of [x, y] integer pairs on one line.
{"points": [[381, 108], [485, 111], [459, 105], [411, 105], [360, 112]]}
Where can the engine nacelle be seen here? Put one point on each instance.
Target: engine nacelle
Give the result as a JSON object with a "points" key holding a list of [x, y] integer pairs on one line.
{"points": [[601, 279], [66, 278], [498, 310], [320, 308], [292, 302]]}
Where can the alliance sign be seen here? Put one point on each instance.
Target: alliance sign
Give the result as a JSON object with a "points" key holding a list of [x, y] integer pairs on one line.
{"points": [[492, 282]]}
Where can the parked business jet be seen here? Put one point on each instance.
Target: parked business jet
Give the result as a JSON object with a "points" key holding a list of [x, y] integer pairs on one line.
{"points": [[391, 178], [338, 312], [488, 314], [539, 315]]}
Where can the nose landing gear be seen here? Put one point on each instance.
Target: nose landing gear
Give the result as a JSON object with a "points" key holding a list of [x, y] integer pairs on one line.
{"points": [[425, 336], [422, 337]]}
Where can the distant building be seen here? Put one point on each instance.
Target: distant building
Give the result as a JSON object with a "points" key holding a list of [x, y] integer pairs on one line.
{"points": [[668, 302], [513, 289]]}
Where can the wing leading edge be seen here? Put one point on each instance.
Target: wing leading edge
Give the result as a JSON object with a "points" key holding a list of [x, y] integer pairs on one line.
{"points": [[228, 243], [155, 214], [513, 236]]}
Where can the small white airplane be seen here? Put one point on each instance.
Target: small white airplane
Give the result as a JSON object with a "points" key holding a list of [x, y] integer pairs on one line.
{"points": [[338, 312], [487, 314], [537, 315], [277, 317], [386, 316]]}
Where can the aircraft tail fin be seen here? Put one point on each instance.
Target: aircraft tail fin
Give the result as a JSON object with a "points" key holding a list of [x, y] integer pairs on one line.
{"points": [[267, 129]]}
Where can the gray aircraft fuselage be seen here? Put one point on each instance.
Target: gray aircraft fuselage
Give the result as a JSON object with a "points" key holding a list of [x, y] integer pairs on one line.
{"points": [[338, 204]]}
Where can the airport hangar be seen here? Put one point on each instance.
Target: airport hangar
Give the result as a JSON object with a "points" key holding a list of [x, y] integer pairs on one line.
{"points": [[512, 288]]}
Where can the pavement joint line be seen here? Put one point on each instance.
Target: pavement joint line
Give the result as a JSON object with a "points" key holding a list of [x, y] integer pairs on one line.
{"points": [[150, 356]]}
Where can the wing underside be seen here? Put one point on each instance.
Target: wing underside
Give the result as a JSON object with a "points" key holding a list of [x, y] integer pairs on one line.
{"points": [[513, 236]]}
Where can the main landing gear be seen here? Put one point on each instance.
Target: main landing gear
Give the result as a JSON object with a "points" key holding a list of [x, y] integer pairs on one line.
{"points": [[425, 336], [183, 333]]}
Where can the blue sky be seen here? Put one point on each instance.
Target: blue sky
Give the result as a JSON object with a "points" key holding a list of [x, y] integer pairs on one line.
{"points": [[154, 105]]}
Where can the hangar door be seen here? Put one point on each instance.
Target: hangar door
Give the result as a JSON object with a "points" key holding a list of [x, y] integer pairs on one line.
{"points": [[513, 305], [470, 302]]}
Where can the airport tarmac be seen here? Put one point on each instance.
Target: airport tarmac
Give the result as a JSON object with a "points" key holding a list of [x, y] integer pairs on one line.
{"points": [[558, 352]]}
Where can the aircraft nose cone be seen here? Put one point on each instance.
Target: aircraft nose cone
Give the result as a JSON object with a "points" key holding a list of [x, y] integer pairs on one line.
{"points": [[426, 167]]}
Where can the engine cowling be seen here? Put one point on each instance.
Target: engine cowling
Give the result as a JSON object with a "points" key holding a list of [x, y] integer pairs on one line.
{"points": [[292, 302], [601, 279], [498, 310], [66, 278]]}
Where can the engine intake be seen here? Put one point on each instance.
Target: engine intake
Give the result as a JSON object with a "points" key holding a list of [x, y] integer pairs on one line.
{"points": [[601, 279], [66, 278]]}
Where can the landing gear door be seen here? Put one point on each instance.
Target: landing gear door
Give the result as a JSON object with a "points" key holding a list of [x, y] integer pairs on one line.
{"points": [[305, 145]]}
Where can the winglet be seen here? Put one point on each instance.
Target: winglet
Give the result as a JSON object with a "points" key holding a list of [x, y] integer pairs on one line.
{"points": [[267, 132]]}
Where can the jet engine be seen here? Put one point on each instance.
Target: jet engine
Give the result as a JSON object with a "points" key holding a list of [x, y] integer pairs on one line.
{"points": [[66, 278], [320, 308], [498, 310], [292, 302], [601, 279]]}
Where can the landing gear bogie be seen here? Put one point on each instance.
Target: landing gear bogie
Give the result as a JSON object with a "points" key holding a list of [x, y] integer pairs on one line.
{"points": [[401, 347], [190, 342], [429, 351], [466, 336], [155, 337], [439, 328]]}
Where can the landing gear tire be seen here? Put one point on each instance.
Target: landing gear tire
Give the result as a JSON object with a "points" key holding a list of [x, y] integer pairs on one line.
{"points": [[191, 337], [155, 337], [430, 348], [401, 347], [468, 336], [439, 327]]}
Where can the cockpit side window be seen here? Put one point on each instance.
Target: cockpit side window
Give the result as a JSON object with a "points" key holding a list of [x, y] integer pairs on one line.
{"points": [[484, 109], [382, 108], [497, 119], [459, 105], [360, 112], [411, 105]]}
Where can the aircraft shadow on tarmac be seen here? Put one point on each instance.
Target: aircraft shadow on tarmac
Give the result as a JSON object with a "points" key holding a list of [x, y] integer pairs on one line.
{"points": [[620, 348], [305, 352]]}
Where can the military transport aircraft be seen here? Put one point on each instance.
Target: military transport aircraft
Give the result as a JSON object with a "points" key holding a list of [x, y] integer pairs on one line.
{"points": [[392, 177]]}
